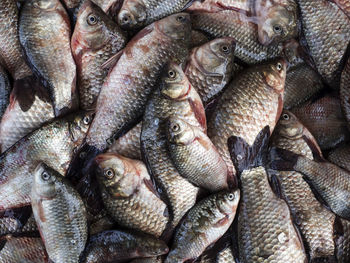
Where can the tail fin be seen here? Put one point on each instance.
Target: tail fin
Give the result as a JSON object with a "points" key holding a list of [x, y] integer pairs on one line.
{"points": [[245, 156], [282, 160]]}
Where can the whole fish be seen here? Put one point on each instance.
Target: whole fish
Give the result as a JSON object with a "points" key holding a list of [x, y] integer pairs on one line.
{"points": [[324, 119], [174, 96], [331, 182], [119, 246], [344, 92], [342, 240], [340, 156], [30, 107], [5, 89], [54, 144], [326, 30], [139, 13], [18, 221], [211, 67], [195, 156], [204, 224], [23, 249], [265, 229], [237, 26], [10, 49], [219, 5], [95, 39], [314, 221], [344, 5], [252, 100], [129, 195], [44, 32], [60, 215], [277, 20], [128, 145]]}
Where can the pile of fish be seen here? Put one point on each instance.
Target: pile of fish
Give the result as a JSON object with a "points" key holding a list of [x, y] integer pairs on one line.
{"points": [[174, 131]]}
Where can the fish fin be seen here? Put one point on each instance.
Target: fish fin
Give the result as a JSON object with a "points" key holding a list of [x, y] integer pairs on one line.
{"points": [[282, 160], [2, 242], [316, 152], [275, 184], [245, 156], [112, 61]]}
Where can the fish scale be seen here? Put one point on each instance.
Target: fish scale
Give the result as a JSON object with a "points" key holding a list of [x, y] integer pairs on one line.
{"points": [[5, 89]]}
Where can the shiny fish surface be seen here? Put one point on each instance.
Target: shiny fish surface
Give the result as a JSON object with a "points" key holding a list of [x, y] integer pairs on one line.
{"points": [[340, 156], [17, 221]]}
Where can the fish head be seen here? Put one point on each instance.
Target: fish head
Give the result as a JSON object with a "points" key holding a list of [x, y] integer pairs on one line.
{"points": [[279, 23], [227, 202], [292, 52], [45, 181], [79, 125], [216, 56], [176, 26], [132, 15], [289, 126], [117, 174], [179, 131], [45, 5], [275, 74]]}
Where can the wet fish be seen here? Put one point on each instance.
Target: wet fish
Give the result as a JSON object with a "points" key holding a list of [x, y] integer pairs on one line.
{"points": [[314, 221], [174, 96], [204, 224], [129, 195], [139, 13], [340, 156], [265, 229], [326, 30], [252, 100], [344, 92], [23, 249], [30, 107], [233, 24], [54, 144], [95, 39], [331, 182], [10, 50], [18, 221], [343, 241], [118, 246], [195, 156], [324, 119], [219, 5], [5, 89], [128, 145], [60, 215], [211, 67], [44, 32]]}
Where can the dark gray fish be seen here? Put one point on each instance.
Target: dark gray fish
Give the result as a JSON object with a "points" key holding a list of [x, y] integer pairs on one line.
{"points": [[340, 156], [5, 89]]}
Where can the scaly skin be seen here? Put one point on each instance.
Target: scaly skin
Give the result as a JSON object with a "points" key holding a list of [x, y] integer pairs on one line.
{"points": [[343, 242], [17, 221], [5, 89], [340, 156], [219, 5], [344, 5], [314, 221], [345, 91], [60, 214]]}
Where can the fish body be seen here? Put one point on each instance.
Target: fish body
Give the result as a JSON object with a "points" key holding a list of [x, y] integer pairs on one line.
{"points": [[204, 224], [340, 156], [17, 222], [96, 38], [60, 214], [344, 5], [44, 32], [5, 90], [343, 242], [129, 196], [219, 5], [344, 92]]}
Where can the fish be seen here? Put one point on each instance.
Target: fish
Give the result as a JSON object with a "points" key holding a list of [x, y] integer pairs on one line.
{"points": [[343, 5], [220, 5], [55, 144], [128, 145], [198, 38], [147, 260], [116, 245], [211, 67], [323, 117], [252, 100], [5, 90], [342, 239], [265, 231], [204, 224], [30, 107], [220, 255], [70, 4], [17, 222], [174, 96], [135, 14], [103, 224], [10, 49], [326, 33], [340, 156], [23, 249], [96, 38], [195, 156], [312, 218], [232, 24], [110, 7], [344, 91], [331, 182], [129, 195], [44, 33], [60, 215], [277, 20]]}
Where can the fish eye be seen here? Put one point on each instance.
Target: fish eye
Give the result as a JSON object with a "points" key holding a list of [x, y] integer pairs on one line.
{"points": [[180, 18], [175, 127], [231, 197], [86, 120], [279, 66], [285, 116], [172, 74], [109, 173], [277, 29], [92, 19], [225, 49], [45, 176]]}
